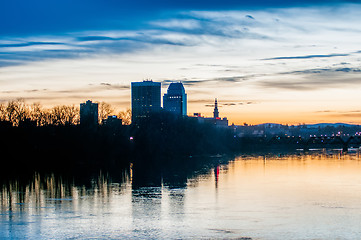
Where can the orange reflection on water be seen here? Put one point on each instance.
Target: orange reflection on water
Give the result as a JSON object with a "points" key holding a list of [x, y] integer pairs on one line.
{"points": [[304, 196], [297, 196]]}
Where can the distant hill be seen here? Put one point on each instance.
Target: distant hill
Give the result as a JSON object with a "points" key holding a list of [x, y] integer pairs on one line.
{"points": [[271, 125], [323, 125]]}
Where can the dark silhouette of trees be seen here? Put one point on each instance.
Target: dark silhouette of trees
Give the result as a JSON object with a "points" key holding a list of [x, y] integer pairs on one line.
{"points": [[59, 142], [2, 112], [64, 115], [38, 114], [126, 116], [17, 111], [104, 110]]}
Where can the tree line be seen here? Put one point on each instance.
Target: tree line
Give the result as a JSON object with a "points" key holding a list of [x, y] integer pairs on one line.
{"points": [[17, 111], [59, 145]]}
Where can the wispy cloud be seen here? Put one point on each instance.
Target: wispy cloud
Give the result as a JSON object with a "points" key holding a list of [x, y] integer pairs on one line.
{"points": [[227, 54], [231, 103], [191, 29], [319, 71], [310, 84], [27, 44], [217, 80], [339, 114], [189, 24], [114, 86], [308, 56], [221, 30]]}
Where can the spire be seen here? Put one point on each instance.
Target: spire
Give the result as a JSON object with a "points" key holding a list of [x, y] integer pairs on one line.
{"points": [[215, 112]]}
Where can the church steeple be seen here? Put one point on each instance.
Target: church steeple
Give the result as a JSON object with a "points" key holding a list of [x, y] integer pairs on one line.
{"points": [[215, 112]]}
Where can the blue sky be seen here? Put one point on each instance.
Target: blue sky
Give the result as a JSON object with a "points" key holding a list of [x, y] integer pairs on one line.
{"points": [[23, 17], [294, 62]]}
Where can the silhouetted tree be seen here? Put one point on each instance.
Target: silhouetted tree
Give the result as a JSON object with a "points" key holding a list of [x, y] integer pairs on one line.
{"points": [[16, 111], [126, 116], [2, 112], [64, 115], [38, 114], [104, 110]]}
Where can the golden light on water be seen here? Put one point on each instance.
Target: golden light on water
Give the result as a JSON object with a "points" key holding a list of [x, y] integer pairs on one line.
{"points": [[303, 196]]}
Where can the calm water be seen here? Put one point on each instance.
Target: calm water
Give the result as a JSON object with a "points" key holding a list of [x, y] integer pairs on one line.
{"points": [[301, 196]]}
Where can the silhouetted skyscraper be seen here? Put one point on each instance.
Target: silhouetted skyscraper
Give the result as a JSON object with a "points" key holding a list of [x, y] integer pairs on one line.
{"points": [[215, 112], [145, 99], [175, 100], [89, 114]]}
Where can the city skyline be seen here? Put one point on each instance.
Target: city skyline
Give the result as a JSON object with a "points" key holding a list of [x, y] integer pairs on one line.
{"points": [[264, 62]]}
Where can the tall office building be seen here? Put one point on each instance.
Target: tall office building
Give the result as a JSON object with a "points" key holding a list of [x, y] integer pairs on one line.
{"points": [[175, 100], [89, 114], [145, 99]]}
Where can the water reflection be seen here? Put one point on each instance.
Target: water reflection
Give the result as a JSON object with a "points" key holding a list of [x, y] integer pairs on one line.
{"points": [[40, 189], [146, 181], [298, 196]]}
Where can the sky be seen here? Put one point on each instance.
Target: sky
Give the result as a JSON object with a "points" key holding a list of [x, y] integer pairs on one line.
{"points": [[288, 62]]}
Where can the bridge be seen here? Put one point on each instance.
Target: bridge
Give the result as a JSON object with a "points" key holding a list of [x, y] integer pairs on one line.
{"points": [[334, 141]]}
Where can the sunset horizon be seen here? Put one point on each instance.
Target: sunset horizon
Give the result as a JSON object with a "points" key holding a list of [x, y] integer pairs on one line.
{"points": [[182, 119], [287, 63]]}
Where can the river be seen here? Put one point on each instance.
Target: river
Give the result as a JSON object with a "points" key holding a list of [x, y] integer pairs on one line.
{"points": [[313, 195]]}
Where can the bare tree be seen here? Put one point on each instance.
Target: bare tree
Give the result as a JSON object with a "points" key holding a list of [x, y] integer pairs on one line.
{"points": [[72, 116], [2, 112], [56, 114], [47, 116], [37, 114], [104, 110], [64, 115], [10, 111], [126, 116], [16, 111]]}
